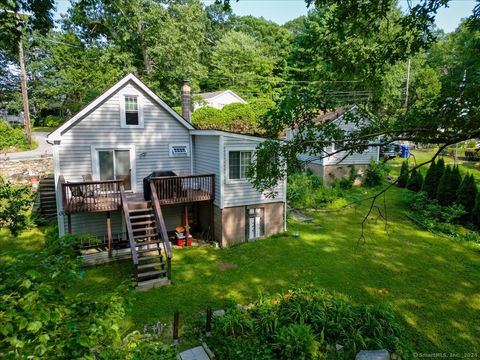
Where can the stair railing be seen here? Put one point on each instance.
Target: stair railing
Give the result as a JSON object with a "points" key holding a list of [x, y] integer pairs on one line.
{"points": [[161, 228], [131, 239]]}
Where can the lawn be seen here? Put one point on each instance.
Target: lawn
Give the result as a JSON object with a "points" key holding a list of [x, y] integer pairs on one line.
{"points": [[433, 283]]}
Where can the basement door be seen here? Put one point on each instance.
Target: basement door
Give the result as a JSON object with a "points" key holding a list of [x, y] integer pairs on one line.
{"points": [[255, 223]]}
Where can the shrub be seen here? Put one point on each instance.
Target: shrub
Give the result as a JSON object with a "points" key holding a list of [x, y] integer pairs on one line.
{"points": [[403, 178], [52, 121], [447, 191], [467, 193], [12, 139], [41, 319], [305, 324], [296, 341], [306, 190], [415, 181], [240, 118], [375, 174], [15, 203], [208, 118], [430, 183], [476, 212], [347, 182]]}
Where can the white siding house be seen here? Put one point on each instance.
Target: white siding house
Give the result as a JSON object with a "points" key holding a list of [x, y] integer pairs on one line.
{"points": [[128, 133], [337, 165], [218, 99]]}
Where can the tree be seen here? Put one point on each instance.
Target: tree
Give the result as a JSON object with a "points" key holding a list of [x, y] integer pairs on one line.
{"points": [[467, 192], [415, 181], [476, 212], [238, 62], [403, 178], [430, 183], [447, 190]]}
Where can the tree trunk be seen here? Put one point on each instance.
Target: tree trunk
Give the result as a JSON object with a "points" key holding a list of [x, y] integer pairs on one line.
{"points": [[23, 80], [146, 59]]}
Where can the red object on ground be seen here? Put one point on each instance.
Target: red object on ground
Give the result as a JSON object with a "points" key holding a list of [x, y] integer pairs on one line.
{"points": [[180, 242], [189, 241]]}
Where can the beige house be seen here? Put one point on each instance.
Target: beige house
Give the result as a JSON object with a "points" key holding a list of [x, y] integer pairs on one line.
{"points": [[129, 170]]}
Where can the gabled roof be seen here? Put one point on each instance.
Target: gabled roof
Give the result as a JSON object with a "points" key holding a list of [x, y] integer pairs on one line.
{"points": [[57, 134], [212, 95]]}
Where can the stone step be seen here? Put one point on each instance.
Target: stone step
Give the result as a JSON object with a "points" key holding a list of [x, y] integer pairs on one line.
{"points": [[150, 284]]}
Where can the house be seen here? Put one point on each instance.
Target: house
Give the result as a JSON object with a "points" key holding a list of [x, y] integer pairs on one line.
{"points": [[218, 99], [338, 165], [129, 170]]}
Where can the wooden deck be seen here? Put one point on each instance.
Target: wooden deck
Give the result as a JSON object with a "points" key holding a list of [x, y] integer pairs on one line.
{"points": [[104, 195]]}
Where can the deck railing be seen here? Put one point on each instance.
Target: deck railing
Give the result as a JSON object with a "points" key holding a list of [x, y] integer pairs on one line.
{"points": [[91, 196], [184, 189]]}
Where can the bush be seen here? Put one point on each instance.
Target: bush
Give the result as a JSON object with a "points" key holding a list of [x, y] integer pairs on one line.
{"points": [[430, 183], [305, 324], [306, 190], [467, 193], [15, 204], [208, 118], [347, 182], [41, 319], [403, 178], [52, 121], [415, 181], [447, 191], [375, 174], [476, 212], [240, 118], [12, 139], [296, 341]]}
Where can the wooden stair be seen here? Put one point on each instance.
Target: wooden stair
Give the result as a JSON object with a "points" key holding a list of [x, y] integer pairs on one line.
{"points": [[149, 244], [47, 196]]}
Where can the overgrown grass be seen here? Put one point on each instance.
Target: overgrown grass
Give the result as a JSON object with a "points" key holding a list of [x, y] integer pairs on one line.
{"points": [[431, 282]]}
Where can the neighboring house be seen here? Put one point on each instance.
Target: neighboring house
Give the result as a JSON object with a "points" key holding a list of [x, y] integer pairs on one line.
{"points": [[336, 166], [128, 146], [218, 99], [13, 120]]}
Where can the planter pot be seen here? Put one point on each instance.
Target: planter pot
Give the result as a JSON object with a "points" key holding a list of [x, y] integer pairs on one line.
{"points": [[180, 242], [189, 241]]}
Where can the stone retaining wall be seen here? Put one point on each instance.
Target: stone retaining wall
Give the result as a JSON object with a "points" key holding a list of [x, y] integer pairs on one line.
{"points": [[25, 171]]}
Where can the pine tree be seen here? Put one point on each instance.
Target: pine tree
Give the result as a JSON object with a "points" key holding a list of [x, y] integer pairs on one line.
{"points": [[467, 193], [403, 178], [476, 212], [446, 193], [440, 169], [456, 179], [430, 183], [415, 181]]}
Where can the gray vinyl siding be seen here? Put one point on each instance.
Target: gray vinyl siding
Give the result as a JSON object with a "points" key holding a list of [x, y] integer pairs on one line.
{"points": [[102, 127], [238, 193], [207, 159], [352, 159], [96, 223]]}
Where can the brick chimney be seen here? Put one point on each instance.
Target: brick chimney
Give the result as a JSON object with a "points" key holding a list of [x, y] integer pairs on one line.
{"points": [[186, 99]]}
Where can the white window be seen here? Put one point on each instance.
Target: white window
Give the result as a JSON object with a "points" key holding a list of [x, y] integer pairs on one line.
{"points": [[178, 150], [115, 164], [238, 163], [131, 110], [255, 223]]}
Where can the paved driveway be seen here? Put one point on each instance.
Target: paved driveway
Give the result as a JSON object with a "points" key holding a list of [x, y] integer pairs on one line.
{"points": [[43, 148]]}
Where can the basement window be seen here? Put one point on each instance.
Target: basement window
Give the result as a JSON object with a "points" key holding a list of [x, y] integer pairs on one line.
{"points": [[177, 150]]}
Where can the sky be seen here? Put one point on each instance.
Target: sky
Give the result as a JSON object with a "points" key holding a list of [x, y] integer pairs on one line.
{"points": [[281, 11]]}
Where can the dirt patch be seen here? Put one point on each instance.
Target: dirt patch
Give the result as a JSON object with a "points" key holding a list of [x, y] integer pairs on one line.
{"points": [[226, 266]]}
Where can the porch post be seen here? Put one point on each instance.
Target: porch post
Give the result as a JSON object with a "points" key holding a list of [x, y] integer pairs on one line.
{"points": [[69, 223], [109, 234], [212, 220]]}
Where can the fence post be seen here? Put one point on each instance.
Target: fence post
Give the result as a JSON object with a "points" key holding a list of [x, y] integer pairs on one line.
{"points": [[176, 321], [208, 323]]}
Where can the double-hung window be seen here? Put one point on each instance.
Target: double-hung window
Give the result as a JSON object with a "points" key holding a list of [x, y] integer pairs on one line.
{"points": [[131, 110], [238, 163], [115, 164]]}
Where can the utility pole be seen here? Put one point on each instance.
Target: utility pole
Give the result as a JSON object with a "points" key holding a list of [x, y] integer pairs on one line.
{"points": [[23, 81], [408, 84]]}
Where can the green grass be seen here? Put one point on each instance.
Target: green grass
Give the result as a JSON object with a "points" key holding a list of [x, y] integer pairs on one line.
{"points": [[433, 283], [44, 128]]}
